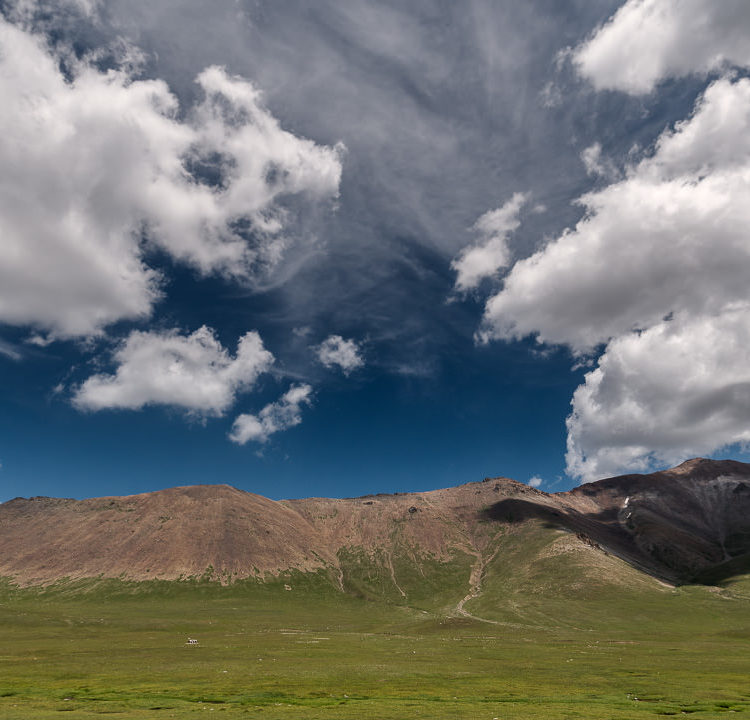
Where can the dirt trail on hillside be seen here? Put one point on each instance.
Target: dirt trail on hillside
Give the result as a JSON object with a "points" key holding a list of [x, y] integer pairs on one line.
{"points": [[475, 581], [389, 556]]}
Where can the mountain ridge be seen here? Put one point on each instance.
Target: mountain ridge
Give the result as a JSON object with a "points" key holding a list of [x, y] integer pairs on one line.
{"points": [[672, 525]]}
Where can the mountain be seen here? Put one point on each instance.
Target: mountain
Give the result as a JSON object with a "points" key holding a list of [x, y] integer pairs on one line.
{"points": [[690, 522], [673, 524]]}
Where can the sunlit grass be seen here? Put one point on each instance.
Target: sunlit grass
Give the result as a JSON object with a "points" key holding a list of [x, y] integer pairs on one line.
{"points": [[605, 651]]}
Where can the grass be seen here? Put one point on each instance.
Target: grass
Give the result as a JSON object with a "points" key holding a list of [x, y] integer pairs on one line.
{"points": [[563, 643]]}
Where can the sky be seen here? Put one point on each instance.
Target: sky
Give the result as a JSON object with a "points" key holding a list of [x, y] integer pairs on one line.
{"points": [[350, 247]]}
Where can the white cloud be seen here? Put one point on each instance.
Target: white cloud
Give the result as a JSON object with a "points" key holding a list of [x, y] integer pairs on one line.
{"points": [[94, 163], [551, 96], [657, 272], [679, 389], [649, 40], [10, 350], [681, 386], [302, 332], [334, 350], [281, 415], [27, 12], [491, 253], [671, 236], [194, 372], [535, 481], [597, 164]]}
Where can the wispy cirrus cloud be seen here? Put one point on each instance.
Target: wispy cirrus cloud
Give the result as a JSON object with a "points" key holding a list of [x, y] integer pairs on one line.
{"points": [[440, 112], [10, 350]]}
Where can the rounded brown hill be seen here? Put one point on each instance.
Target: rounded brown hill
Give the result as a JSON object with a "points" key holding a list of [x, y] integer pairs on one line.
{"points": [[225, 533], [173, 533]]}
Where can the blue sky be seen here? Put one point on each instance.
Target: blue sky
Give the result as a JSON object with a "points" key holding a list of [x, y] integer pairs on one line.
{"points": [[363, 247]]}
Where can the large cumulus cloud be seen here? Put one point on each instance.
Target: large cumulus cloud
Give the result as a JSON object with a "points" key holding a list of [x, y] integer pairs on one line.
{"points": [[653, 278], [679, 389], [98, 166], [672, 235], [649, 40]]}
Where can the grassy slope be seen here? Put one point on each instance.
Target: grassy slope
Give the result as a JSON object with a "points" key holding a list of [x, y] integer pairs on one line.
{"points": [[573, 635]]}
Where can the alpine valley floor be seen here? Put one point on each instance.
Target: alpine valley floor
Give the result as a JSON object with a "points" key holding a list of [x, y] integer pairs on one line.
{"points": [[89, 648]]}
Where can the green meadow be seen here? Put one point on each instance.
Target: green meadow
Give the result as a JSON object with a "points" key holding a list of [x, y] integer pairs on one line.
{"points": [[543, 640]]}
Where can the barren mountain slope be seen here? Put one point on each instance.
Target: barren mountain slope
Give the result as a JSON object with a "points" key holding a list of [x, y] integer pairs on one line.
{"points": [[671, 524], [225, 533], [171, 533], [679, 521]]}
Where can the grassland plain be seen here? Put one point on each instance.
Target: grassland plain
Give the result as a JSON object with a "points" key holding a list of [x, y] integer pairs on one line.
{"points": [[550, 634]]}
